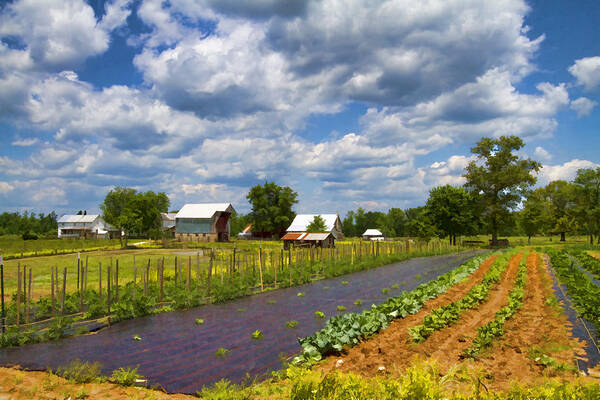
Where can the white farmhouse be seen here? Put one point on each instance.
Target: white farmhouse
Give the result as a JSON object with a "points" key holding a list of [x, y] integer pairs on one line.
{"points": [[332, 222], [90, 226]]}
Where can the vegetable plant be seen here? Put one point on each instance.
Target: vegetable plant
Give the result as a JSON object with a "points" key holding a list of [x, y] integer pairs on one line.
{"points": [[222, 352], [199, 321], [319, 314], [291, 324], [257, 335]]}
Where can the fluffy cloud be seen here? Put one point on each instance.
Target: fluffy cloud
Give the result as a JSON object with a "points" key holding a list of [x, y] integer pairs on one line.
{"points": [[541, 154], [566, 171], [5, 187], [587, 72], [583, 106]]}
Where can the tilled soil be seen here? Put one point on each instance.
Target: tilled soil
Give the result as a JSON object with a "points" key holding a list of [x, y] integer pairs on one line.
{"points": [[537, 325], [394, 347]]}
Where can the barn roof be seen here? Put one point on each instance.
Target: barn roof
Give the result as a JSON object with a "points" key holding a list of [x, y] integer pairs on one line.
{"points": [[77, 218], [301, 221], [372, 232], [203, 210], [306, 236]]}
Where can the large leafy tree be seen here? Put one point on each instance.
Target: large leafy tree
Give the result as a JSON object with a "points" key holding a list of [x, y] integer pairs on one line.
{"points": [[271, 208], [561, 199], [452, 210], [587, 184], [133, 212], [534, 217], [348, 227], [317, 225], [419, 224], [499, 177]]}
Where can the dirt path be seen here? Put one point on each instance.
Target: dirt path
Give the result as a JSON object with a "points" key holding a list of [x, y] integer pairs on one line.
{"points": [[536, 327], [393, 348]]}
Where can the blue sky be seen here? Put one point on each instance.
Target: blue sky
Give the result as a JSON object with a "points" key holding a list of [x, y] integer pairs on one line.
{"points": [[351, 103]]}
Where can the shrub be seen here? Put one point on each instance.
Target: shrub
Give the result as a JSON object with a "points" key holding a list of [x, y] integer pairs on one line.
{"points": [[125, 376], [80, 371]]}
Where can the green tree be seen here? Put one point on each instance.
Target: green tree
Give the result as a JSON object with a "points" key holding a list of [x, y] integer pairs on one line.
{"points": [[499, 177], [271, 208], [452, 210], [317, 225], [133, 212], [420, 224], [587, 187], [534, 217], [238, 222], [348, 227], [396, 221], [561, 199]]}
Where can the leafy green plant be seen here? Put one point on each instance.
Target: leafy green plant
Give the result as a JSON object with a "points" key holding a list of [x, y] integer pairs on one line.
{"points": [[385, 291], [319, 314], [257, 335], [341, 308], [300, 294], [350, 328], [495, 328], [136, 337], [80, 371], [344, 282], [199, 321], [441, 317], [291, 324], [222, 352], [395, 286], [357, 302], [125, 376]]}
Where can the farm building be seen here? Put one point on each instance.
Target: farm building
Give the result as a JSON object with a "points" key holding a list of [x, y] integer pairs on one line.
{"points": [[306, 239], [207, 222], [168, 223], [246, 233], [332, 222], [372, 234], [90, 226], [296, 234]]}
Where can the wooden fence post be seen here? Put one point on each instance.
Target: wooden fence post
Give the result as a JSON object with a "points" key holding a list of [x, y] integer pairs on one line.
{"points": [[198, 278], [3, 313], [64, 291], [117, 280], [100, 281], [210, 264], [18, 293], [189, 273], [260, 261], [52, 284], [108, 282], [28, 298], [147, 278], [162, 269], [175, 271]]}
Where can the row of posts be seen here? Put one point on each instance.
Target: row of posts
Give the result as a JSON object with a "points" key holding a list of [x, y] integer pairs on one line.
{"points": [[233, 264]]}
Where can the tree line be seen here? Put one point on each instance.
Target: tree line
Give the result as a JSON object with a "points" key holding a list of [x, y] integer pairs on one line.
{"points": [[28, 224]]}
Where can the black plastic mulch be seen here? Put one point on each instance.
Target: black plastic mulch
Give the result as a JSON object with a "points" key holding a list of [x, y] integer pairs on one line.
{"points": [[180, 356], [581, 328]]}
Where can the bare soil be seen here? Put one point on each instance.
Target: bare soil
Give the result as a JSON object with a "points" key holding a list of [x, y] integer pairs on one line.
{"points": [[25, 385], [538, 326]]}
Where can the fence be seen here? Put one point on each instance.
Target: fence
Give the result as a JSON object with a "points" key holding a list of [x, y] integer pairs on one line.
{"points": [[208, 275]]}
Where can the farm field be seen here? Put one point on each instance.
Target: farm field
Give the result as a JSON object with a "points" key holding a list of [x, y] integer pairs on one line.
{"points": [[187, 351], [12, 246]]}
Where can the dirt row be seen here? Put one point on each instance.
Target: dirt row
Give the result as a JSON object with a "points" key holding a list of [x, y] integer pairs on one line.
{"points": [[538, 328]]}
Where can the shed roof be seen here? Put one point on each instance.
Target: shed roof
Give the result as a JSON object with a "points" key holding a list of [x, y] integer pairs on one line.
{"points": [[306, 236], [372, 232], [203, 210], [168, 216], [301, 221], [77, 218]]}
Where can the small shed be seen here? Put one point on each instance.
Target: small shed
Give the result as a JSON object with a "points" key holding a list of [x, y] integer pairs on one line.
{"points": [[168, 223], [373, 234], [206, 222], [307, 239]]}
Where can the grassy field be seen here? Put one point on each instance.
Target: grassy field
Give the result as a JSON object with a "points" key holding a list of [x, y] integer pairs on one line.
{"points": [[12, 246]]}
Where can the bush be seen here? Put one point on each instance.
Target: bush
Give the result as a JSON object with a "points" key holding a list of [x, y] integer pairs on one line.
{"points": [[80, 371], [125, 376], [29, 236]]}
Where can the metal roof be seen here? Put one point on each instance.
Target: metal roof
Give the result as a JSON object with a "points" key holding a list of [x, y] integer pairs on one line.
{"points": [[78, 218], [372, 232], [168, 216], [203, 210], [306, 236], [301, 221]]}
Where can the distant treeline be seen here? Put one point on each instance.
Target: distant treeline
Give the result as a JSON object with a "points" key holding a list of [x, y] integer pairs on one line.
{"points": [[15, 223]]}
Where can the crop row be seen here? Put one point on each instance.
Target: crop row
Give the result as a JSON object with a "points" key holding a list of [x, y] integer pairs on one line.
{"points": [[349, 329], [584, 293], [447, 315], [589, 263], [495, 328]]}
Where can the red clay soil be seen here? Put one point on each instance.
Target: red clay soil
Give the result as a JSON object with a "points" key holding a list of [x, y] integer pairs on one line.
{"points": [[393, 348]]}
